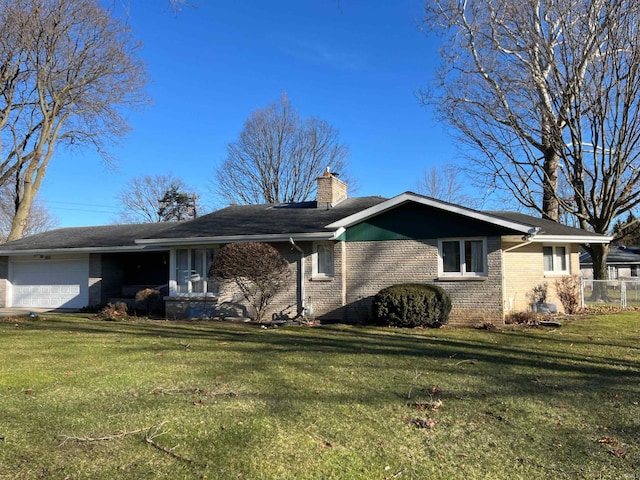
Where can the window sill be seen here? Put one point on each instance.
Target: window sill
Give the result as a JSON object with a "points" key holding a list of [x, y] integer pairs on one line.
{"points": [[461, 279], [321, 279], [556, 274]]}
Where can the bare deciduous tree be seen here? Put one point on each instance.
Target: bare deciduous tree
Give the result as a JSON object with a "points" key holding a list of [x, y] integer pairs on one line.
{"points": [[40, 219], [278, 157], [446, 182], [141, 199], [67, 70], [547, 94], [257, 269]]}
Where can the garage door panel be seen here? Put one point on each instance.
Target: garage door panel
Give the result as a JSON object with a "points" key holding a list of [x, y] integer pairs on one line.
{"points": [[50, 284]]}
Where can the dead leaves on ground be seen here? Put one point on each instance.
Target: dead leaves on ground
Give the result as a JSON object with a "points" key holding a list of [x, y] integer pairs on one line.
{"points": [[616, 448], [422, 405]]}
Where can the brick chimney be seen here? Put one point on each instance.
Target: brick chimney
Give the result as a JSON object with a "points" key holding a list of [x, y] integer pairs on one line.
{"points": [[331, 190]]}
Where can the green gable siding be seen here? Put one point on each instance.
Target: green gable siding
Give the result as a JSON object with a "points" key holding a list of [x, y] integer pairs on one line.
{"points": [[412, 221]]}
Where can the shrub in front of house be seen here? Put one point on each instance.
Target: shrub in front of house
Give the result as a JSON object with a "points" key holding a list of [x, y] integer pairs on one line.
{"points": [[568, 291], [114, 311], [257, 269], [150, 299], [412, 305]]}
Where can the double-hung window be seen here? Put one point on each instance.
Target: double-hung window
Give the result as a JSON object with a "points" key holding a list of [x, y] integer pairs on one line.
{"points": [[464, 257], [323, 260], [192, 271], [556, 259]]}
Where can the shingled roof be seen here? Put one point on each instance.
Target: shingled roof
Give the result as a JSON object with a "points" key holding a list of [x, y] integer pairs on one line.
{"points": [[272, 222], [102, 238], [547, 227], [617, 256], [267, 219]]}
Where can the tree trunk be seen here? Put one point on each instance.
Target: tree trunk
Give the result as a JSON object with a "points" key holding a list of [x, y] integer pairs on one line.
{"points": [[598, 252], [550, 204], [23, 209]]}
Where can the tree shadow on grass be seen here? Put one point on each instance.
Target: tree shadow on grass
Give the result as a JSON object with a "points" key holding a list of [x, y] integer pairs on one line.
{"points": [[299, 367]]}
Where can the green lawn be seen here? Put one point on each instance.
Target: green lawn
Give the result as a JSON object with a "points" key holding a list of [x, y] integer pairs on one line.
{"points": [[87, 399]]}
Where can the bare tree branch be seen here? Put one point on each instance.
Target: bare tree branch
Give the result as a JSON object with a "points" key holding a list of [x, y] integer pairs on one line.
{"points": [[545, 95], [68, 69], [278, 157]]}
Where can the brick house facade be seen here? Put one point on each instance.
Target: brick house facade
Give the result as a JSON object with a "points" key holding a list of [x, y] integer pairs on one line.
{"points": [[341, 251]]}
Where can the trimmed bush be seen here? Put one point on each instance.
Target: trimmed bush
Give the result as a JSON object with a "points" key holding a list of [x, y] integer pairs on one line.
{"points": [[412, 305]]}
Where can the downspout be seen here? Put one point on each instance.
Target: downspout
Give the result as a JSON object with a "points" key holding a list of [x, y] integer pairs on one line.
{"points": [[300, 300]]}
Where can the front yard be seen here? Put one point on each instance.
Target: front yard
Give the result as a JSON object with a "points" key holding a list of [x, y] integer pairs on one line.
{"points": [[82, 398]]}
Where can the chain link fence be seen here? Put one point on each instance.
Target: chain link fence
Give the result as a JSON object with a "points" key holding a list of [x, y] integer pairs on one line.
{"points": [[623, 293]]}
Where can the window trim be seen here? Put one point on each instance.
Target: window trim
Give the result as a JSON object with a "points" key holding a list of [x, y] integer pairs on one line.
{"points": [[554, 255], [315, 259], [462, 272]]}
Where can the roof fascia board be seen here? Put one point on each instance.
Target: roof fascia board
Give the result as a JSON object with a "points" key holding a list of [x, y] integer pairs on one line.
{"points": [[280, 237], [430, 202], [43, 251]]}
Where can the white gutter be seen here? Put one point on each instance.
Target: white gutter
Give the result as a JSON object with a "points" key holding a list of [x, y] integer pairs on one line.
{"points": [[278, 237], [571, 239]]}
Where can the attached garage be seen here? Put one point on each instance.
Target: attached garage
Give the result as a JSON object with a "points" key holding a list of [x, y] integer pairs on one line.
{"points": [[49, 282]]}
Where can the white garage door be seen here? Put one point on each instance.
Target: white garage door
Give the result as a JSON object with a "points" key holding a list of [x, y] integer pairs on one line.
{"points": [[50, 283]]}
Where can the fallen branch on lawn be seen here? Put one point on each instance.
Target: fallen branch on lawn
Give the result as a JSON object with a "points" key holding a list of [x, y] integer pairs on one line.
{"points": [[470, 361], [149, 438], [106, 437], [189, 391]]}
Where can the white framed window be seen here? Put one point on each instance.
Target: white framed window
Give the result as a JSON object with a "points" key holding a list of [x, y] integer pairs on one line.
{"points": [[191, 273], [462, 257], [323, 260], [556, 259]]}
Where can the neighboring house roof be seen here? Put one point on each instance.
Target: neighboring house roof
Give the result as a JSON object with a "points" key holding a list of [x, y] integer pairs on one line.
{"points": [[279, 222], [86, 239], [616, 256]]}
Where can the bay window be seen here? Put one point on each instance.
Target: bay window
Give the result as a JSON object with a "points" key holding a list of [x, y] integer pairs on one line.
{"points": [[192, 271]]}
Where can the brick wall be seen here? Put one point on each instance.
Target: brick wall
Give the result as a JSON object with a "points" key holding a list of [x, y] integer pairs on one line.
{"points": [[372, 266], [331, 190], [230, 302], [524, 269], [327, 295]]}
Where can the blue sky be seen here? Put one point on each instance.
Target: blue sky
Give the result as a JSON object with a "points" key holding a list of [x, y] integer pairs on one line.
{"points": [[356, 64]]}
